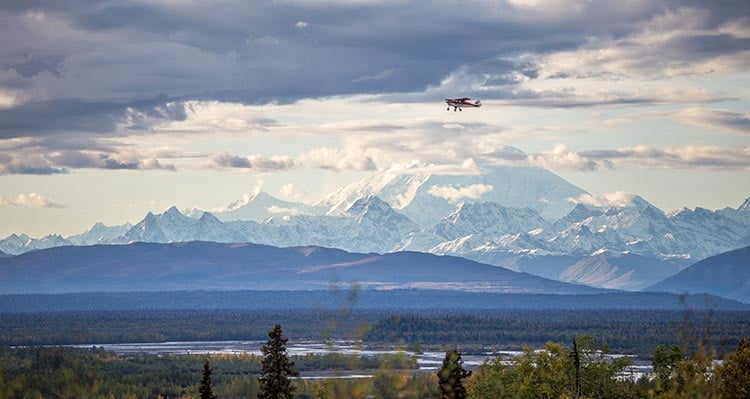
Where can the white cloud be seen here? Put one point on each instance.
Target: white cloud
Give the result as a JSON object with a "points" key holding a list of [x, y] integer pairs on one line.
{"points": [[290, 192], [32, 200], [455, 194], [678, 42], [301, 25], [715, 118], [466, 168], [275, 209], [687, 157], [337, 159], [617, 199], [561, 158]]}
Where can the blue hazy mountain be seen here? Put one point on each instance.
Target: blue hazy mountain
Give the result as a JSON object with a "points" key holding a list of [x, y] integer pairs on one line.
{"points": [[726, 274], [217, 266]]}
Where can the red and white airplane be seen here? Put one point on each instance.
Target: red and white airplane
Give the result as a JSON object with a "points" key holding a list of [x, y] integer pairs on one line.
{"points": [[457, 103]]}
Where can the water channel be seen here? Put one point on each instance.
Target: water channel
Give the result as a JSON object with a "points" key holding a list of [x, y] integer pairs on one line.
{"points": [[427, 361]]}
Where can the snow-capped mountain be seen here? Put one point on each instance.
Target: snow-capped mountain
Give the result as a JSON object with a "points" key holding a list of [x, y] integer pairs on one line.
{"points": [[17, 244], [173, 226], [424, 195], [370, 225], [258, 208], [504, 216], [578, 214], [488, 219], [740, 215], [100, 234], [638, 231]]}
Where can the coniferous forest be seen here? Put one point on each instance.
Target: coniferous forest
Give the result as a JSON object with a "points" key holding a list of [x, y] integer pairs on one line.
{"points": [[579, 369]]}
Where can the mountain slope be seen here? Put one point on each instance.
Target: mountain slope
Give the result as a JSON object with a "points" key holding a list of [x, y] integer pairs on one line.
{"points": [[203, 265], [258, 208], [726, 274], [426, 196], [100, 234], [626, 271], [16, 244]]}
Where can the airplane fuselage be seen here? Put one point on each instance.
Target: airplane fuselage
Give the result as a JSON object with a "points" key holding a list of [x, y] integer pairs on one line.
{"points": [[459, 103]]}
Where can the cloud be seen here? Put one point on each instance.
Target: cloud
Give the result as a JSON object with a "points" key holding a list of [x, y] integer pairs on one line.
{"points": [[98, 160], [290, 192], [77, 117], [55, 155], [337, 159], [715, 118], [618, 199], [687, 157], [683, 40], [32, 200], [275, 209], [561, 158], [468, 167], [455, 194], [255, 162], [253, 53]]}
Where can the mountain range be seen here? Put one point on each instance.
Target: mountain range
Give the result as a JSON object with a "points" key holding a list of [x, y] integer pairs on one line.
{"points": [[525, 219], [726, 275], [215, 266]]}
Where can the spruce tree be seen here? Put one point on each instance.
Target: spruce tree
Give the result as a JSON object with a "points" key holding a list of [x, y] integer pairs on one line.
{"points": [[205, 387], [274, 380], [451, 376]]}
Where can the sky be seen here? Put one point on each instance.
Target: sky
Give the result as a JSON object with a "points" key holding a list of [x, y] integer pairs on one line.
{"points": [[112, 109]]}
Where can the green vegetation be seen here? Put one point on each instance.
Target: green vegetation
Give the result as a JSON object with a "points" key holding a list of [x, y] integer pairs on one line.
{"points": [[574, 367], [205, 386], [42, 372], [451, 376], [275, 382], [579, 371], [636, 332], [624, 331]]}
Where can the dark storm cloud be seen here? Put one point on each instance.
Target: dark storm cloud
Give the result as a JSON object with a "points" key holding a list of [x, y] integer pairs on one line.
{"points": [[258, 162], [71, 115], [85, 66], [34, 64]]}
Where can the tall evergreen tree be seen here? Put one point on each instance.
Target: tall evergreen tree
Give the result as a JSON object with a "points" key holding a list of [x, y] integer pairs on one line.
{"points": [[451, 376], [274, 380], [205, 386], [734, 373]]}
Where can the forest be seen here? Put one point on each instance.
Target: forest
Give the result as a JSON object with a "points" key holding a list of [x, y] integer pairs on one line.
{"points": [[681, 344], [558, 370], [624, 331]]}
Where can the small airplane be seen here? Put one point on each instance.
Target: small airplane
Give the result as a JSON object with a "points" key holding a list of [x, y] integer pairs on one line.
{"points": [[457, 103]]}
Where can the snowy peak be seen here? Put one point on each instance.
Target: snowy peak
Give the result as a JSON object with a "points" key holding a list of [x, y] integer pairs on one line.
{"points": [[260, 207], [17, 244], [488, 219], [640, 203], [427, 193], [373, 214], [745, 206], [368, 204], [100, 233], [169, 226], [578, 214], [207, 217]]}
